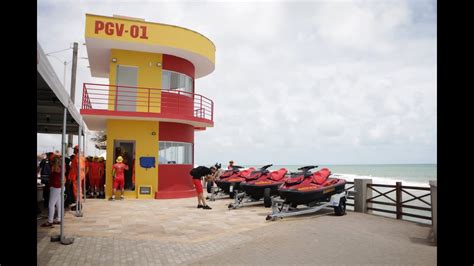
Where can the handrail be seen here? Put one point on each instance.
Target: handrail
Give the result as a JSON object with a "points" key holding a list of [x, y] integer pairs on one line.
{"points": [[398, 202], [177, 103]]}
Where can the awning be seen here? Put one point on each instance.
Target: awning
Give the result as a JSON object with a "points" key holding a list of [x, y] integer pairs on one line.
{"points": [[52, 97]]}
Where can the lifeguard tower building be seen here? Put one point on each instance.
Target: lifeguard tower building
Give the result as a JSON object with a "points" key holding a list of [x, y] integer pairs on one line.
{"points": [[149, 109]]}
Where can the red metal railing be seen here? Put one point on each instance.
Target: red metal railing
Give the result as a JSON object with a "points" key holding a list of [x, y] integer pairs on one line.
{"points": [[148, 100]]}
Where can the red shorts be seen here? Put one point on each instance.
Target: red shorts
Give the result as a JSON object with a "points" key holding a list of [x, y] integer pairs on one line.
{"points": [[197, 183], [119, 182]]}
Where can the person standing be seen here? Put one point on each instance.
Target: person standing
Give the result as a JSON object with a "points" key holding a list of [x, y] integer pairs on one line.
{"points": [[45, 171], [197, 174], [73, 171], [211, 179], [67, 183], [70, 150], [133, 172], [55, 191], [118, 176], [231, 165], [88, 162], [94, 176], [102, 177]]}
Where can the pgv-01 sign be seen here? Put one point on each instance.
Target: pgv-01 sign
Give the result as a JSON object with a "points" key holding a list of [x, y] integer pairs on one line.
{"points": [[119, 29]]}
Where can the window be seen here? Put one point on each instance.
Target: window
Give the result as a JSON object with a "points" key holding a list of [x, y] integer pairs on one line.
{"points": [[176, 81], [171, 152]]}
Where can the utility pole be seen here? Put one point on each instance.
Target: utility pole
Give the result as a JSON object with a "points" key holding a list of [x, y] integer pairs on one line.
{"points": [[73, 81], [64, 76]]}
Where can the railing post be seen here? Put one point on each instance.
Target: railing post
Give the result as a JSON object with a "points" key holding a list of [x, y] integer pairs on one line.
{"points": [[362, 193], [200, 106], [83, 95], [212, 111], [398, 190], [178, 100], [116, 97], [148, 100], [434, 209]]}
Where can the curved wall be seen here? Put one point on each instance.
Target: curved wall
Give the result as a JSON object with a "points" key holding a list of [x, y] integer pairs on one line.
{"points": [[174, 180]]}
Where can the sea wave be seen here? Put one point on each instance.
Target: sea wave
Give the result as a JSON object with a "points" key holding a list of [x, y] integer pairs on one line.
{"points": [[381, 180]]}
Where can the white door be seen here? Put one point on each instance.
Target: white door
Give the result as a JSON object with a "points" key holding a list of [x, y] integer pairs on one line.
{"points": [[126, 97]]}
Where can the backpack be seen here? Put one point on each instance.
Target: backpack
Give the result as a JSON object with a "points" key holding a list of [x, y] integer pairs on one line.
{"points": [[199, 171], [194, 172], [46, 169]]}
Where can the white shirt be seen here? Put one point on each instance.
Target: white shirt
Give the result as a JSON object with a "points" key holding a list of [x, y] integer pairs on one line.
{"points": [[70, 151]]}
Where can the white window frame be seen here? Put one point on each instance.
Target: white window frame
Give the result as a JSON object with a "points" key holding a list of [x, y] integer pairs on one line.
{"points": [[177, 154], [191, 81]]}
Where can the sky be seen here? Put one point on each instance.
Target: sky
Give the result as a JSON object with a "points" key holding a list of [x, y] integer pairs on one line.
{"points": [[296, 82]]}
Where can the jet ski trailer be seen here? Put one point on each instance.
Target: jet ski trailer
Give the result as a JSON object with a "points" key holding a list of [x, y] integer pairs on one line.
{"points": [[217, 193], [282, 209], [315, 190]]}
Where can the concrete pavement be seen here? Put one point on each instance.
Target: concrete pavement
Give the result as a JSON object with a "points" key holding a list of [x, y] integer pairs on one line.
{"points": [[169, 232]]}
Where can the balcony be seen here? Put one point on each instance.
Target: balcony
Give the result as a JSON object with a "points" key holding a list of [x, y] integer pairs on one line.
{"points": [[103, 101]]}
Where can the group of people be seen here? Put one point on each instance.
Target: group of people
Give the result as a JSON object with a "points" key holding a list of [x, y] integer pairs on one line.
{"points": [[49, 171], [93, 169], [210, 175]]}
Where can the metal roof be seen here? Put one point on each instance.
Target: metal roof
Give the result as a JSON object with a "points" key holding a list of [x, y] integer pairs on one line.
{"points": [[52, 98]]}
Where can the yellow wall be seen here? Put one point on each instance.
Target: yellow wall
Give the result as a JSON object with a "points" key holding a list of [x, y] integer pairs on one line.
{"points": [[149, 76], [156, 34], [146, 144]]}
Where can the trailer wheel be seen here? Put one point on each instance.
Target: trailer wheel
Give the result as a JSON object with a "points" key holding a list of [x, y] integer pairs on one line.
{"points": [[267, 200], [341, 208], [231, 191]]}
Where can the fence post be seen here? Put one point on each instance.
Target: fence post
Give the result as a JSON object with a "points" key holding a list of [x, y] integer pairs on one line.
{"points": [[434, 209], [362, 193], [398, 190]]}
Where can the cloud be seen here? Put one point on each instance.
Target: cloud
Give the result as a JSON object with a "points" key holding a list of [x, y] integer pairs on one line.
{"points": [[296, 82]]}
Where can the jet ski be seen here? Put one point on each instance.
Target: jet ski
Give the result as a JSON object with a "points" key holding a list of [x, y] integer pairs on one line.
{"points": [[230, 179], [262, 183], [308, 188]]}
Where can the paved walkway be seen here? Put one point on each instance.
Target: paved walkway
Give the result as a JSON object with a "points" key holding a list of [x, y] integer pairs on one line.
{"points": [[168, 232]]}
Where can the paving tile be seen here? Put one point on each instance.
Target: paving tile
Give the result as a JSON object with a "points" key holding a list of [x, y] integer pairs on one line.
{"points": [[172, 232]]}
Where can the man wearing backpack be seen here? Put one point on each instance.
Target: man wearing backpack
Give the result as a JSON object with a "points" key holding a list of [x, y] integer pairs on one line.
{"points": [[45, 171], [197, 173]]}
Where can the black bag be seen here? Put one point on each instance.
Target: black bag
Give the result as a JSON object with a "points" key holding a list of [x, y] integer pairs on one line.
{"points": [[45, 168], [199, 171]]}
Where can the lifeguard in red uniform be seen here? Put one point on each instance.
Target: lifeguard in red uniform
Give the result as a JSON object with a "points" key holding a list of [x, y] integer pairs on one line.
{"points": [[102, 176], [94, 175], [133, 174], [73, 171], [118, 170], [88, 162]]}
